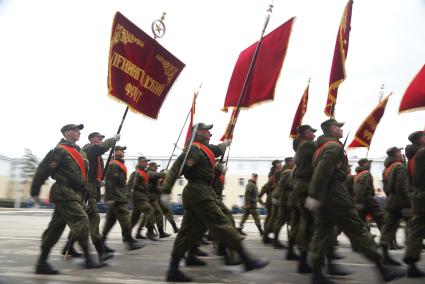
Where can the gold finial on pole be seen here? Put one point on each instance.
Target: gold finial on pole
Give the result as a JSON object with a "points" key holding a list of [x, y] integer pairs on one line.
{"points": [[158, 27], [381, 92], [309, 80]]}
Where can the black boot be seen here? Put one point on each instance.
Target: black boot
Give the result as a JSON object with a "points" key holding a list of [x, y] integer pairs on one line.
{"points": [[260, 230], [69, 246], [266, 239], [175, 228], [389, 273], [193, 260], [107, 249], [335, 255], [162, 234], [250, 262], [151, 235], [336, 269], [42, 266], [196, 251], [277, 244], [387, 259], [414, 272], [139, 235], [103, 255], [89, 263], [290, 253], [132, 244], [303, 266], [174, 274], [240, 231], [318, 277]]}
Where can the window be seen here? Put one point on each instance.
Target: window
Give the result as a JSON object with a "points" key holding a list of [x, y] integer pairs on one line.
{"points": [[241, 181]]}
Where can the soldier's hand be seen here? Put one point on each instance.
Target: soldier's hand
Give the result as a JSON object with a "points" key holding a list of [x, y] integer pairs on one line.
{"points": [[227, 142], [165, 199], [312, 204], [117, 137]]}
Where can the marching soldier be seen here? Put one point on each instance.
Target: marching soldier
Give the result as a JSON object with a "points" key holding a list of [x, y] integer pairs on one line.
{"points": [[117, 199], [67, 165], [415, 153], [202, 211], [250, 204], [333, 205], [304, 147], [397, 203], [364, 193], [349, 181]]}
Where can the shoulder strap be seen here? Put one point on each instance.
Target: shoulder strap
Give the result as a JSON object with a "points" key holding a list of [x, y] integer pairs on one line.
{"points": [[77, 158]]}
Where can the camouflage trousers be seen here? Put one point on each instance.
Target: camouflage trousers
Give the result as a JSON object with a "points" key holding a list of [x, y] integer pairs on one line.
{"points": [[348, 220], [415, 235], [197, 219], [377, 214], [142, 206], [282, 217], [94, 220], [166, 211], [69, 213], [118, 211], [390, 226], [156, 217], [306, 225], [254, 213]]}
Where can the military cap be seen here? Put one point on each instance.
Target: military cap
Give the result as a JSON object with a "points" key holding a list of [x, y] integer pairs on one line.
{"points": [[71, 127], [415, 136], [143, 158], [288, 159], [303, 128], [254, 175], [96, 134], [364, 161], [327, 123], [153, 164], [202, 126], [274, 162], [120, 148], [391, 151]]}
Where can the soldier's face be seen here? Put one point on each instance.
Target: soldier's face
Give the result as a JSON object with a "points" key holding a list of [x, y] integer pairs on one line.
{"points": [[204, 135], [96, 140], [336, 131], [119, 154], [309, 135], [73, 135]]}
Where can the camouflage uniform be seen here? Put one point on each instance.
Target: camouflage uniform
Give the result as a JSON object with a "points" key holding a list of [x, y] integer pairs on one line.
{"points": [[280, 198], [250, 204]]}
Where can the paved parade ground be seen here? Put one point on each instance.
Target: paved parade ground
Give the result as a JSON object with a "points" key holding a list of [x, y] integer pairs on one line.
{"points": [[20, 233]]}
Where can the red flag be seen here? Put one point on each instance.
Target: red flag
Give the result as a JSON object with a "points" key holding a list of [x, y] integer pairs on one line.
{"points": [[414, 97], [301, 110], [192, 113], [364, 134], [265, 71], [232, 120], [340, 54], [140, 71]]}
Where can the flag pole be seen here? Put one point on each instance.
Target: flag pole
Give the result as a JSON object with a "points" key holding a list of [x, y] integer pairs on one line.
{"points": [[181, 131], [247, 78]]}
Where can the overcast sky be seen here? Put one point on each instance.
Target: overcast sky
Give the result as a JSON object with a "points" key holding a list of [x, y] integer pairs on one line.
{"points": [[54, 57]]}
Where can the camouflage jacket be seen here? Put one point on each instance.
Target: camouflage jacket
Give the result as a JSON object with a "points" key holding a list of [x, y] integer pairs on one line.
{"points": [[137, 186], [94, 154], [251, 194], [416, 156], [199, 172], [63, 168], [396, 185], [329, 172], [364, 190], [153, 187], [115, 182], [282, 190], [349, 184]]}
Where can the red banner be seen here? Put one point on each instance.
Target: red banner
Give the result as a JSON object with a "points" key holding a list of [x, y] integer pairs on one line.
{"points": [[232, 120], [192, 113], [414, 97], [265, 71], [364, 134], [301, 110], [141, 71], [337, 75]]}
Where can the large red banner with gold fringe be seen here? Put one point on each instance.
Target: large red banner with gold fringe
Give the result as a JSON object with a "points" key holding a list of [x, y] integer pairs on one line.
{"points": [[141, 71], [337, 75], [265, 71], [364, 134], [299, 115], [414, 97]]}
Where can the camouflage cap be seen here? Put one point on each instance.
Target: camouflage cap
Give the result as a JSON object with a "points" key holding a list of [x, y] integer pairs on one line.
{"points": [[289, 159], [120, 148], [143, 158], [303, 128], [327, 123], [202, 126], [364, 161], [153, 164], [96, 134], [274, 162], [415, 136], [391, 151], [71, 127]]}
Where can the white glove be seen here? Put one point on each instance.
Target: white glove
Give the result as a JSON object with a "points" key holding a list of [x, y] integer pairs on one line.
{"points": [[165, 199], [312, 204], [117, 137], [227, 142]]}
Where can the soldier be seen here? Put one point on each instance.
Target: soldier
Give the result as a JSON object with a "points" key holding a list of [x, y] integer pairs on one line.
{"points": [[304, 147], [137, 186], [202, 211], [333, 205], [397, 203], [349, 181], [364, 193], [250, 204], [415, 153], [117, 199], [67, 165]]}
